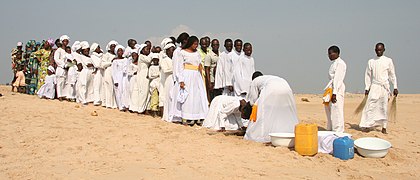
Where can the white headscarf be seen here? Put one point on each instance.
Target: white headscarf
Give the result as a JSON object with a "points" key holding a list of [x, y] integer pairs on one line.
{"points": [[165, 42], [51, 69], [141, 47], [108, 46], [167, 46], [19, 44], [75, 46], [84, 44], [119, 47], [155, 56], [93, 47], [63, 37]]}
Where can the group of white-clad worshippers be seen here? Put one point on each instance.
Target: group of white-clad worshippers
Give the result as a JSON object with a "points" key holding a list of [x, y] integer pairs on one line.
{"points": [[190, 81]]}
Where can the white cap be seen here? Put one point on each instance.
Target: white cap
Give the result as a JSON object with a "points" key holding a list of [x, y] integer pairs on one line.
{"points": [[19, 44]]}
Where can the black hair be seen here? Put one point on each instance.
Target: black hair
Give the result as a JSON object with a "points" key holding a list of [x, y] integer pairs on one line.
{"points": [[247, 111], [182, 37], [238, 40], [190, 42], [256, 74], [228, 40], [334, 49], [68, 47], [247, 44], [380, 44], [145, 42], [173, 39], [214, 40]]}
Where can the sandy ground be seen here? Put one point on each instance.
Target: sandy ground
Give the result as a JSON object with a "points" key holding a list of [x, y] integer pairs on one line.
{"points": [[45, 139]]}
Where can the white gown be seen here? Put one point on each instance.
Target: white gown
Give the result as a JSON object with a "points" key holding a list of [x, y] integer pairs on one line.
{"points": [[48, 89], [175, 109], [97, 78], [224, 112], [61, 72], [108, 84], [276, 108], [126, 94], [140, 97], [242, 74], [134, 85], [379, 72], [335, 111], [195, 106], [166, 84], [86, 78], [118, 66], [224, 73]]}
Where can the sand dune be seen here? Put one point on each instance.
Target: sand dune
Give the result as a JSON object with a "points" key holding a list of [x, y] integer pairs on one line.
{"points": [[45, 139]]}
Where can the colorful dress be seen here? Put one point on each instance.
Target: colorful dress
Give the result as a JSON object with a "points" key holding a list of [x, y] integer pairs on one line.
{"points": [[31, 73], [43, 63]]}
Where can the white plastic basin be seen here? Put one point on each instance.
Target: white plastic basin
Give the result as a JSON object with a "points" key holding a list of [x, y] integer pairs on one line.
{"points": [[371, 147], [283, 139]]}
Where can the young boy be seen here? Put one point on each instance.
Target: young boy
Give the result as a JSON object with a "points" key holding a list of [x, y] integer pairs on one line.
{"points": [[154, 76], [47, 91], [20, 80], [132, 78], [16, 63], [71, 76], [80, 97]]}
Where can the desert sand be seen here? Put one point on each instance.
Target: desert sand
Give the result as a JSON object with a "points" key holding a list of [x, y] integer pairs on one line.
{"points": [[48, 139]]}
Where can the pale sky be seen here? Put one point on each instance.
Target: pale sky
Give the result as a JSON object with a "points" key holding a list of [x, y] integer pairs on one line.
{"points": [[290, 38]]}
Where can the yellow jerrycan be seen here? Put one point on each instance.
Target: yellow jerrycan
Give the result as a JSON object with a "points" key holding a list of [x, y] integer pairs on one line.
{"points": [[306, 139]]}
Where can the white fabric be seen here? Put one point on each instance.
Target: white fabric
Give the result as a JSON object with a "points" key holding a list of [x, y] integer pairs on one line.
{"points": [[276, 108], [71, 82], [108, 46], [50, 68], [154, 76], [242, 74], [128, 51], [48, 89], [75, 46], [167, 46], [118, 68], [119, 47], [335, 111], [126, 94], [93, 47], [141, 48], [166, 84], [133, 81], [196, 105], [379, 72], [165, 42], [61, 72], [63, 37], [19, 44], [174, 110], [86, 78], [84, 45], [108, 95], [224, 72], [141, 95], [224, 112], [97, 79]]}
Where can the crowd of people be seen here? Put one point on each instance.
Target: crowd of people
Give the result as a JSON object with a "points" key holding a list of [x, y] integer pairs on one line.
{"points": [[185, 80]]}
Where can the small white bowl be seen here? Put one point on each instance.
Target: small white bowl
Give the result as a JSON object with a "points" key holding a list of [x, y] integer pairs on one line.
{"points": [[283, 139], [372, 147]]}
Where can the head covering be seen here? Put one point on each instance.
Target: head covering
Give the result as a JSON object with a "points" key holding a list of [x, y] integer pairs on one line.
{"points": [[137, 46], [165, 42], [50, 68], [108, 46], [155, 55], [84, 44], [76, 46], [141, 48], [119, 47], [63, 37], [169, 45], [93, 47], [19, 44]]}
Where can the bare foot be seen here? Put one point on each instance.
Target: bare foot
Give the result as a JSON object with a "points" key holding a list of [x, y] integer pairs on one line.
{"points": [[384, 131]]}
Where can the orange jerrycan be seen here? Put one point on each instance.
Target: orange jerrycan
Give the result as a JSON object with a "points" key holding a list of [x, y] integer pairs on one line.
{"points": [[306, 139]]}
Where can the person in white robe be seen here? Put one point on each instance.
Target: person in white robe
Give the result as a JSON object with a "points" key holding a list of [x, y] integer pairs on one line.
{"points": [[86, 75], [108, 94], [243, 69], [118, 68], [175, 109], [141, 97], [380, 72], [276, 108], [61, 71], [224, 113], [335, 107], [224, 73], [96, 55], [132, 77], [194, 107], [80, 93], [166, 80], [47, 90], [131, 47], [71, 78], [154, 77]]}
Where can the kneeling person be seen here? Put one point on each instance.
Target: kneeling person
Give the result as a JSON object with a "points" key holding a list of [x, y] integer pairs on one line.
{"points": [[225, 113]]}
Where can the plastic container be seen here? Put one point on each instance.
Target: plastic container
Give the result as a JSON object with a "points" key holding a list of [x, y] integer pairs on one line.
{"points": [[343, 148], [306, 139]]}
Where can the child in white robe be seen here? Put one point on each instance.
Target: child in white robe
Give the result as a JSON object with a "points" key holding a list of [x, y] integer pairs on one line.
{"points": [[47, 91], [71, 77], [132, 78], [118, 65], [154, 76]]}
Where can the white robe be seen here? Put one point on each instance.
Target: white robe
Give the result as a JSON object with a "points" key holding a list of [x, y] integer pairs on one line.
{"points": [[174, 110], [140, 97], [224, 73], [86, 78], [126, 95], [276, 108], [379, 72], [48, 89], [71, 82], [154, 76], [195, 106], [118, 66], [108, 99], [242, 74], [97, 78], [166, 84], [134, 85], [335, 111], [61, 72], [224, 112]]}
